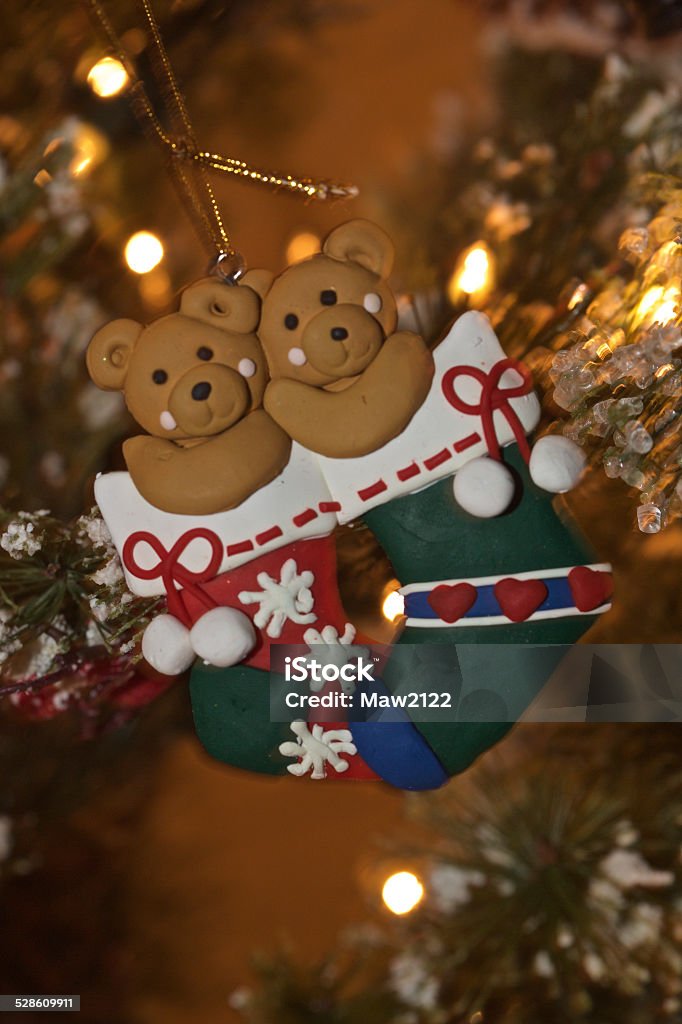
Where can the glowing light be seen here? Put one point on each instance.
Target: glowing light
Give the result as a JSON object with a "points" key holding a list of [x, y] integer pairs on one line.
{"points": [[107, 77], [667, 310], [578, 296], [658, 305], [143, 252], [90, 148], [393, 605], [301, 246], [649, 300], [155, 288], [402, 892], [42, 178], [473, 275]]}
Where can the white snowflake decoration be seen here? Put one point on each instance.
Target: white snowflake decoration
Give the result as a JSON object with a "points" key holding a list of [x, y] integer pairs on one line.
{"points": [[338, 650], [289, 598], [316, 749]]}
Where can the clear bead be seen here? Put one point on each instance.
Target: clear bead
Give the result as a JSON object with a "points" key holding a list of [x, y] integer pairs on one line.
{"points": [[613, 466], [634, 240], [633, 477], [601, 410], [649, 518], [637, 437], [625, 409]]}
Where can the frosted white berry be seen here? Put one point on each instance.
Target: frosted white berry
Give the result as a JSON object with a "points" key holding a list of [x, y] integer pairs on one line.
{"points": [[483, 487], [166, 645], [223, 637], [556, 464]]}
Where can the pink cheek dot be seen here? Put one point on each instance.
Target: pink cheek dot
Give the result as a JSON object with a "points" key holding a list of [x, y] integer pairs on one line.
{"points": [[246, 367], [372, 302], [167, 422], [297, 357]]}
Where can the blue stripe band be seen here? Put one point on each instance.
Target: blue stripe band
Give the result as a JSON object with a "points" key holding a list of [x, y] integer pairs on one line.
{"points": [[559, 597]]}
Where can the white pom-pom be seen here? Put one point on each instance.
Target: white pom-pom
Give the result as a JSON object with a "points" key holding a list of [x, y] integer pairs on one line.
{"points": [[556, 464], [223, 637], [483, 487], [166, 645]]}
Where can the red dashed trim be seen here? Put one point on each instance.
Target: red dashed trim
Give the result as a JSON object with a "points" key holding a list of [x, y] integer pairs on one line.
{"points": [[268, 535], [239, 549], [371, 492], [438, 459], [274, 532], [305, 517], [408, 472], [466, 442]]}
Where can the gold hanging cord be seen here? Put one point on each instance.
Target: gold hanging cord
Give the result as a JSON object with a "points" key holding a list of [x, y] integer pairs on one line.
{"points": [[188, 163]]}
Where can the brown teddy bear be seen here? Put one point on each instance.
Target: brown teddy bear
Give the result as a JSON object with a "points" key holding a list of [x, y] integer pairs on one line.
{"points": [[343, 383], [195, 381]]}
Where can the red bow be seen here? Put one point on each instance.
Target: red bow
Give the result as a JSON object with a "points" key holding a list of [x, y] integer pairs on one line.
{"points": [[493, 398], [170, 569]]}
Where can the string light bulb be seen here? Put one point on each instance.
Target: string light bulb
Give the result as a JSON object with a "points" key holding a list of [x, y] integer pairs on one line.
{"points": [[473, 276], [658, 305], [402, 892], [107, 77], [302, 245], [393, 604], [143, 252]]}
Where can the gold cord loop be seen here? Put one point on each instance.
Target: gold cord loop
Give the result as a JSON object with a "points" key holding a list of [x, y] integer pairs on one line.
{"points": [[187, 163]]}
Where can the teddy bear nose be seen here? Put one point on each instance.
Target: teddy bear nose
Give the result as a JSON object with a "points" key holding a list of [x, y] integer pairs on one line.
{"points": [[339, 333], [201, 391]]}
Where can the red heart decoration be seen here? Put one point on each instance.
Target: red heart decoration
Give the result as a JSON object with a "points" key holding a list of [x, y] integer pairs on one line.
{"points": [[451, 601], [590, 587], [518, 599]]}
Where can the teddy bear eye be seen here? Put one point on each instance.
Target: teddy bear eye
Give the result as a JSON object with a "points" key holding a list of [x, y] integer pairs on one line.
{"points": [[205, 353], [159, 376], [328, 297], [291, 321]]}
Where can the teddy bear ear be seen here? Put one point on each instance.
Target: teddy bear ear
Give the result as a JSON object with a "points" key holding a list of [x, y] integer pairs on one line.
{"points": [[225, 306], [259, 280], [361, 242], [109, 353]]}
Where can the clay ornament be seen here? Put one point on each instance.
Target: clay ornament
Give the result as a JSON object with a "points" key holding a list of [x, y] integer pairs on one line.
{"points": [[195, 381], [485, 561], [344, 382]]}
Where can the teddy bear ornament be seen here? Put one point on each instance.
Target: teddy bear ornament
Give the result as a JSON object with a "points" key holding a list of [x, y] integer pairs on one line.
{"points": [[195, 381], [239, 391]]}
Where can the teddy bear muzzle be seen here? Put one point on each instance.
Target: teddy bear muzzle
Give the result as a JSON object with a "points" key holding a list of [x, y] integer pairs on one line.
{"points": [[341, 341], [208, 399]]}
